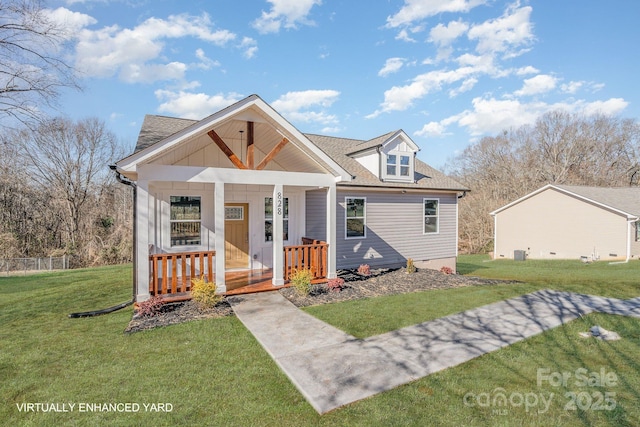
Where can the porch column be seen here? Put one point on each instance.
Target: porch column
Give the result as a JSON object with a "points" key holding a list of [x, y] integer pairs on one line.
{"points": [[331, 231], [142, 240], [278, 245], [221, 285]]}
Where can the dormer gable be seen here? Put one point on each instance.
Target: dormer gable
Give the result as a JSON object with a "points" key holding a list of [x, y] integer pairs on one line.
{"points": [[390, 157]]}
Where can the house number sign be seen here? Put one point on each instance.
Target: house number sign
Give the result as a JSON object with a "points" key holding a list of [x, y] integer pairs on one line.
{"points": [[279, 203]]}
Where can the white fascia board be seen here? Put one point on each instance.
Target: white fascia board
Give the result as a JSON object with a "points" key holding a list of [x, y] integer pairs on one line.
{"points": [[405, 138], [171, 173], [130, 163], [342, 174]]}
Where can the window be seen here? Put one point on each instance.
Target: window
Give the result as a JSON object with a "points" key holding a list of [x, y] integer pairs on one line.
{"points": [[404, 166], [185, 219], [355, 217], [637, 231], [398, 166], [391, 164], [431, 215], [268, 219]]}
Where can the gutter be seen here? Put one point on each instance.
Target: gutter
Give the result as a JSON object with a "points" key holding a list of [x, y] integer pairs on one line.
{"points": [[123, 180]]}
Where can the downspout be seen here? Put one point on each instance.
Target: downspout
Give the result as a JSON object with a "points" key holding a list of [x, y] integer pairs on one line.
{"points": [[629, 222], [120, 306]]}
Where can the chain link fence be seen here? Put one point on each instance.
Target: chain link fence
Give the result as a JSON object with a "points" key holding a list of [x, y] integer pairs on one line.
{"points": [[25, 265]]}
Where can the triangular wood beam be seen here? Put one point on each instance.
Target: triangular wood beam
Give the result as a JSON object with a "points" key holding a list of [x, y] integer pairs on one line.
{"points": [[272, 154], [226, 150], [250, 145]]}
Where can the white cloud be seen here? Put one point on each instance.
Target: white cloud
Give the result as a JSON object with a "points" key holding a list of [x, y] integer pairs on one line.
{"points": [[433, 129], [190, 105], [127, 52], [287, 13], [512, 30], [392, 65], [523, 71], [297, 106], [71, 21], [250, 47], [444, 35], [205, 63], [404, 36], [399, 98], [416, 10], [490, 116], [466, 86], [541, 83]]}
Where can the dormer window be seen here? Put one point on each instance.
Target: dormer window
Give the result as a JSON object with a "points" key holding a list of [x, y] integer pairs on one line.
{"points": [[399, 166]]}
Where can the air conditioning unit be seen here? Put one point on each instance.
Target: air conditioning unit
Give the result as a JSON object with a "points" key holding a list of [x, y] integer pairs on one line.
{"points": [[519, 255]]}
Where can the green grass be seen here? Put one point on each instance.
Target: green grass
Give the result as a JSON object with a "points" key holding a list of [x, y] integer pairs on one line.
{"points": [[213, 372]]}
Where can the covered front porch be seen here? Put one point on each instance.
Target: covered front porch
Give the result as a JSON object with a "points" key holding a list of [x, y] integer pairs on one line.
{"points": [[171, 273]]}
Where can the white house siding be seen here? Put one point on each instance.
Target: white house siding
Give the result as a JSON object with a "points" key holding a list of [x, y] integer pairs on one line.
{"points": [[394, 223], [552, 225]]}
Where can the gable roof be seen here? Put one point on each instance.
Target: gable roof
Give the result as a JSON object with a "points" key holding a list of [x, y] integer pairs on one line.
{"points": [[160, 129], [160, 134], [339, 149], [623, 200]]}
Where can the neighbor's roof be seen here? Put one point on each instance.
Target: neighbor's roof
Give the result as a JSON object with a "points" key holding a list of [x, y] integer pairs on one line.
{"points": [[156, 128], [625, 200]]}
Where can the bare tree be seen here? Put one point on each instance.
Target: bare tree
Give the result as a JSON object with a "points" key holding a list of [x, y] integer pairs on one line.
{"points": [[560, 148], [70, 160], [32, 71]]}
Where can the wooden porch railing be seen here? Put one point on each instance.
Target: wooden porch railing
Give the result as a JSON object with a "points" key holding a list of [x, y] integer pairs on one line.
{"points": [[172, 273], [312, 254]]}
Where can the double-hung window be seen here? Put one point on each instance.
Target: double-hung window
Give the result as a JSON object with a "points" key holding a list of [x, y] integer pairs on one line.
{"points": [[185, 218], [398, 166], [355, 217], [268, 219], [431, 211]]}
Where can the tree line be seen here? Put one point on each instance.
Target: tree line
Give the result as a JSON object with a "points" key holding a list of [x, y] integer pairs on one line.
{"points": [[58, 196], [560, 148]]}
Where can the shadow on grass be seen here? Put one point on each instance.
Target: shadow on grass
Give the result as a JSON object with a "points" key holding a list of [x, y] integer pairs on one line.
{"points": [[468, 268]]}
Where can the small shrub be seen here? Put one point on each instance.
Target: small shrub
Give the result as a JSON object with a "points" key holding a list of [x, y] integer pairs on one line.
{"points": [[204, 294], [446, 270], [150, 307], [411, 268], [364, 270], [335, 285], [301, 281]]}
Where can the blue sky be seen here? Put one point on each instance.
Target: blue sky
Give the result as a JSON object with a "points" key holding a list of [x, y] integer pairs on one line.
{"points": [[446, 71]]}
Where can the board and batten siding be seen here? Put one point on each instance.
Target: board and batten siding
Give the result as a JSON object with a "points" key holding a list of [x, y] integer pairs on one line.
{"points": [[394, 227], [552, 225]]}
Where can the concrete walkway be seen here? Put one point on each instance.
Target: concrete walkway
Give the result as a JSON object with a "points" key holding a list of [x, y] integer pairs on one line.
{"points": [[332, 368]]}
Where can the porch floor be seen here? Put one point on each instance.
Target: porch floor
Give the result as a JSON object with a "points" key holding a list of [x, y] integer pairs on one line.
{"points": [[240, 282]]}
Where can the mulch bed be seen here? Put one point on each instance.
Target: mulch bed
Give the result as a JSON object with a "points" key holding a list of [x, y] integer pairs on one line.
{"points": [[380, 282]]}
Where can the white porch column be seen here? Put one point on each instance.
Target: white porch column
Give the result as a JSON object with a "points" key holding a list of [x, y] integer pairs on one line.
{"points": [[221, 285], [142, 240], [277, 228], [331, 238]]}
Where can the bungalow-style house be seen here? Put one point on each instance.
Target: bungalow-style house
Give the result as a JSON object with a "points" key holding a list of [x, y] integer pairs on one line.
{"points": [[243, 195], [570, 222]]}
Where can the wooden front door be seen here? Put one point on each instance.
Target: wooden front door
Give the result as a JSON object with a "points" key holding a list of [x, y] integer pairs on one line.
{"points": [[236, 234]]}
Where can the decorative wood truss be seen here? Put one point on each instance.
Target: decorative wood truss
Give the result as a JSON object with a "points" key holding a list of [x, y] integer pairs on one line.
{"points": [[250, 150]]}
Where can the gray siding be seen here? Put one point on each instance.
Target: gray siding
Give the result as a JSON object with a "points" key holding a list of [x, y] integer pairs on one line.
{"points": [[316, 214], [394, 223]]}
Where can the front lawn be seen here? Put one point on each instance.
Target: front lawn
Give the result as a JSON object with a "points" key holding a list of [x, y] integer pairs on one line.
{"points": [[213, 372]]}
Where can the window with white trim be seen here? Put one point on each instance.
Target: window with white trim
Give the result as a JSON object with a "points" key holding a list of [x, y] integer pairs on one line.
{"points": [[268, 219], [355, 217], [185, 218], [431, 214], [399, 166], [637, 231]]}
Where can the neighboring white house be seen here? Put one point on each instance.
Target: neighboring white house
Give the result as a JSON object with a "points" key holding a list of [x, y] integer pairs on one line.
{"points": [[248, 185], [570, 222]]}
